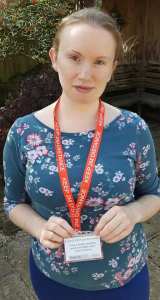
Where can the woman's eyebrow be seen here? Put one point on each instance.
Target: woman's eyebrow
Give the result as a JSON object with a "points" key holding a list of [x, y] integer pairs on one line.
{"points": [[103, 57]]}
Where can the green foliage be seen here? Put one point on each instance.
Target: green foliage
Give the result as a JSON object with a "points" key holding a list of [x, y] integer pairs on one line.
{"points": [[29, 28], [98, 3]]}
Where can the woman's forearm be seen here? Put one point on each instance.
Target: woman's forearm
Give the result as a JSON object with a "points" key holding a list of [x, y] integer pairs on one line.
{"points": [[145, 207], [27, 219]]}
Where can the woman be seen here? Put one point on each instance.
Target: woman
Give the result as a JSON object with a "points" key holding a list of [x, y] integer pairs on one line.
{"points": [[82, 165]]}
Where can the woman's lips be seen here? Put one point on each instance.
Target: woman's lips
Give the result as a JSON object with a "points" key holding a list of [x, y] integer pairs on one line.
{"points": [[83, 89]]}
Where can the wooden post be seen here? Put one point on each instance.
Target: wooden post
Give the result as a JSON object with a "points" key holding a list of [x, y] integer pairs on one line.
{"points": [[142, 66]]}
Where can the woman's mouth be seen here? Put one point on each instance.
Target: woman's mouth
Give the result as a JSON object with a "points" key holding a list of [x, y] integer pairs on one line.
{"points": [[83, 89]]}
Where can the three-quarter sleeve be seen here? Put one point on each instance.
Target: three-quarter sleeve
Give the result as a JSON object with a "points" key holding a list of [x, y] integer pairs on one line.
{"points": [[147, 180], [14, 171]]}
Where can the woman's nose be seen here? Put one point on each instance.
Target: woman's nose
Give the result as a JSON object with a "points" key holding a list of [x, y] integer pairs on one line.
{"points": [[85, 71]]}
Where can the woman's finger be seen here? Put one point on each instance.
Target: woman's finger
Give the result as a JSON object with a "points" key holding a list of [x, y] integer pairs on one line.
{"points": [[110, 227], [105, 219], [52, 236], [50, 245], [121, 228], [119, 237], [63, 224], [59, 230], [109, 234]]}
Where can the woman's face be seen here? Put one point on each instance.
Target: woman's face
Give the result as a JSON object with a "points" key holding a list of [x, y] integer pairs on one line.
{"points": [[85, 61]]}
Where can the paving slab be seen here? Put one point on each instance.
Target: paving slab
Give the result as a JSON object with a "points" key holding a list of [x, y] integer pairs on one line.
{"points": [[154, 251], [14, 275], [13, 287], [154, 281], [152, 227]]}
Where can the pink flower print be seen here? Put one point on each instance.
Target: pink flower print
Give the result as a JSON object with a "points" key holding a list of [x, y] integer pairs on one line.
{"points": [[84, 217], [132, 183], [74, 269], [113, 263], [97, 276], [92, 221], [66, 155], [22, 128], [132, 146], [131, 262], [41, 150], [90, 135], [46, 192], [54, 268], [131, 150], [143, 124], [127, 274], [138, 257], [59, 252], [118, 177], [123, 250], [138, 163], [146, 149], [129, 120], [119, 278], [99, 169], [34, 139], [144, 165], [32, 155], [76, 157], [92, 202], [114, 200], [110, 202], [46, 250], [53, 169], [67, 142]]}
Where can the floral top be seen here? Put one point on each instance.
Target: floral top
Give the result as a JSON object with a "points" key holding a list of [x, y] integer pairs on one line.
{"points": [[125, 170]]}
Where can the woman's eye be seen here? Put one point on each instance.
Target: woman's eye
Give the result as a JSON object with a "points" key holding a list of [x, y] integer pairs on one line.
{"points": [[100, 62], [75, 58]]}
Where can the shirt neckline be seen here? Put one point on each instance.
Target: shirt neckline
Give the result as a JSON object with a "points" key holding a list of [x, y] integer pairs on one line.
{"points": [[80, 132]]}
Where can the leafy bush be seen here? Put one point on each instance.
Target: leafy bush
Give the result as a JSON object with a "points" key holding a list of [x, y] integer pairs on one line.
{"points": [[30, 28], [36, 90]]}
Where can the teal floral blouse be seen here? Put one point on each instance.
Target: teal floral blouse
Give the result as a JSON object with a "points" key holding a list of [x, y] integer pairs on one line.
{"points": [[125, 170]]}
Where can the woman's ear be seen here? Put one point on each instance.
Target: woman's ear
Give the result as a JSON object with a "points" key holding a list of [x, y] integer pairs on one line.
{"points": [[53, 58]]}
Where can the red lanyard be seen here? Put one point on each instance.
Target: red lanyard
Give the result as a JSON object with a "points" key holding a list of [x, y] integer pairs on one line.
{"points": [[75, 208]]}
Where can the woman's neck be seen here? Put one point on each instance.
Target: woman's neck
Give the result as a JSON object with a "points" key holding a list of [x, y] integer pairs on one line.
{"points": [[78, 115], [75, 108]]}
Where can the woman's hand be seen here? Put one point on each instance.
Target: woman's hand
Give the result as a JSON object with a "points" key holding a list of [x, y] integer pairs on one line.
{"points": [[116, 224], [54, 231]]}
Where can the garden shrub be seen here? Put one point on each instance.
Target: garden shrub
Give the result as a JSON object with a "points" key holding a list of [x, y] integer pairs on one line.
{"points": [[29, 29]]}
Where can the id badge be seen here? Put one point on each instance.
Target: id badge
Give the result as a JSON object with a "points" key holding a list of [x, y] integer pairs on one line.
{"points": [[84, 246]]}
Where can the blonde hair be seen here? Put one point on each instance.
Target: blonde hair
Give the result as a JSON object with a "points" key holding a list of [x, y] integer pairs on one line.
{"points": [[91, 16]]}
